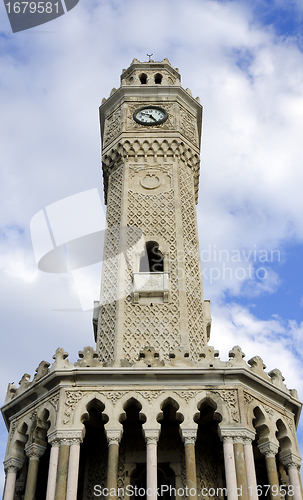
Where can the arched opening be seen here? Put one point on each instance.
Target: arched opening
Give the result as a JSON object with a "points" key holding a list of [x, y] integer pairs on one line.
{"points": [[209, 451], [262, 435], [152, 261], [158, 78], [143, 78], [39, 436], [93, 451]]}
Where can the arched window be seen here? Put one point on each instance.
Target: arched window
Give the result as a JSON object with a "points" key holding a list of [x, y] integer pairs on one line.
{"points": [[152, 260], [158, 78], [143, 78]]}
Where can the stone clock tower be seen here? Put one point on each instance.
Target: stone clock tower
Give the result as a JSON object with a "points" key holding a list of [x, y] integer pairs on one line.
{"points": [[153, 406], [151, 132]]}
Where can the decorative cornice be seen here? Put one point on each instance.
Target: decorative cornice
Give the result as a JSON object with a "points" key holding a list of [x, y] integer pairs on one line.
{"points": [[236, 434]]}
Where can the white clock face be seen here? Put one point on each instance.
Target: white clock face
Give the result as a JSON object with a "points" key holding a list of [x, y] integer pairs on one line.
{"points": [[150, 115]]}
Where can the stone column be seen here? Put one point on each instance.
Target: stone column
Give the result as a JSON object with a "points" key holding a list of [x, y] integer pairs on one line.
{"points": [[250, 469], [189, 438], [113, 439], [52, 470], [292, 463], [11, 467], [240, 468], [62, 470], [151, 437], [270, 450], [34, 452], [73, 469], [230, 468]]}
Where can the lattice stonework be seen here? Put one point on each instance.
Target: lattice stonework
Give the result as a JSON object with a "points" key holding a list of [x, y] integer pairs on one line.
{"points": [[194, 294], [157, 325], [109, 292]]}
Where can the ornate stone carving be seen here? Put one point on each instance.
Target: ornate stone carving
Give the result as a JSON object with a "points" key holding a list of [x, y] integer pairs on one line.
{"points": [[13, 464], [108, 303], [34, 451], [230, 397], [55, 402], [188, 126], [150, 395], [187, 395], [194, 291], [248, 398], [72, 398], [113, 396], [268, 449], [41, 370], [269, 411], [236, 356], [290, 422], [113, 126]]}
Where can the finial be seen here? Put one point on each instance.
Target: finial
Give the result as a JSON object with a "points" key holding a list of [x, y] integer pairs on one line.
{"points": [[149, 55]]}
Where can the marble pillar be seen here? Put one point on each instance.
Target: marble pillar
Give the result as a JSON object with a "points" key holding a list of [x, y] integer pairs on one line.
{"points": [[230, 468], [34, 452], [11, 467], [52, 471], [250, 469], [73, 469], [113, 439], [240, 468], [189, 438], [151, 438], [292, 464], [269, 450], [62, 470]]}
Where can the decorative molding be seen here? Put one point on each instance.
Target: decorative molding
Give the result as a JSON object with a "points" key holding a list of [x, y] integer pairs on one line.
{"points": [[230, 398], [113, 126], [189, 436], [68, 437], [72, 398], [291, 461]]}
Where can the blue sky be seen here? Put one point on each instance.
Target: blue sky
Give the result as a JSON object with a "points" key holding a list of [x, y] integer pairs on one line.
{"points": [[244, 59]]}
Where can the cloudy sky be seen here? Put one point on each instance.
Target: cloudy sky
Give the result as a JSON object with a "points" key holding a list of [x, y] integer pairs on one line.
{"points": [[244, 59]]}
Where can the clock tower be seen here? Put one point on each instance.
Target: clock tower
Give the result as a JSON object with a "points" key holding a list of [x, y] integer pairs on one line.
{"points": [[151, 293], [152, 412]]}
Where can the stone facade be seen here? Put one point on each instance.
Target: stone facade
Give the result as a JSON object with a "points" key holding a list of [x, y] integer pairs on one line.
{"points": [[153, 404]]}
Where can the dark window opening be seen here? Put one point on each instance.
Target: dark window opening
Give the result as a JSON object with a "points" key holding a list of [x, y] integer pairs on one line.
{"points": [[152, 260], [143, 78], [158, 78]]}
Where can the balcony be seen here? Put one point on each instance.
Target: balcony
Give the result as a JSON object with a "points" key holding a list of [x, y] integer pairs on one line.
{"points": [[151, 286]]}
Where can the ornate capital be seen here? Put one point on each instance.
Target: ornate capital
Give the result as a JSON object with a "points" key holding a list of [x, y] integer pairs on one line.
{"points": [[151, 435], [291, 461], [236, 435], [188, 436], [13, 464], [113, 436], [34, 451], [58, 438], [268, 449]]}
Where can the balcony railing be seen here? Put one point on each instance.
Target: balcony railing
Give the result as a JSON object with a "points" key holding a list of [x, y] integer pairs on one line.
{"points": [[151, 284]]}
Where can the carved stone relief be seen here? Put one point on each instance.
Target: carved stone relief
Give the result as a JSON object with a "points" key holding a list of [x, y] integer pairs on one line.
{"points": [[108, 303], [72, 398], [230, 397], [188, 126], [113, 126], [194, 291]]}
